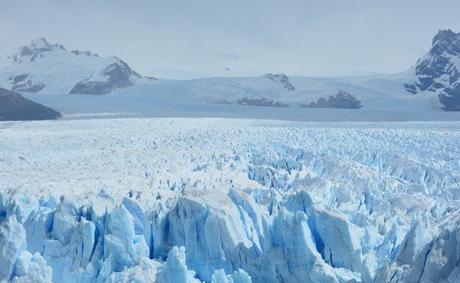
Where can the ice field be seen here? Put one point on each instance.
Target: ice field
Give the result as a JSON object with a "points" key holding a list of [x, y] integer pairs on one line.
{"points": [[229, 200]]}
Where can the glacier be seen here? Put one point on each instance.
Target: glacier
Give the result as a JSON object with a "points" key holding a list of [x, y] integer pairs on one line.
{"points": [[229, 200]]}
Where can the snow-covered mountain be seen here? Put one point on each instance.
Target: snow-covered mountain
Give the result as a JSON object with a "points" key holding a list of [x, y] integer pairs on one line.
{"points": [[439, 71], [368, 98], [435, 79], [295, 92], [44, 67], [384, 93], [15, 107], [421, 93]]}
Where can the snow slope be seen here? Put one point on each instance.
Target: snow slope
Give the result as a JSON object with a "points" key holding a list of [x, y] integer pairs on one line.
{"points": [[45, 67], [275, 96], [222, 200], [383, 98]]}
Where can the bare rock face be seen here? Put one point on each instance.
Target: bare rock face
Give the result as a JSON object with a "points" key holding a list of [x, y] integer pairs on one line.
{"points": [[27, 54], [450, 98], [439, 70], [282, 79], [118, 75], [23, 83], [341, 100], [264, 102], [37, 49], [14, 106]]}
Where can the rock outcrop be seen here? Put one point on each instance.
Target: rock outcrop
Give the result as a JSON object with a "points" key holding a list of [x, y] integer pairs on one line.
{"points": [[14, 106]]}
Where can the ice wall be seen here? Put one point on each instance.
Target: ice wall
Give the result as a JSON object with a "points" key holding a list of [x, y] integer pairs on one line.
{"points": [[290, 240], [207, 203]]}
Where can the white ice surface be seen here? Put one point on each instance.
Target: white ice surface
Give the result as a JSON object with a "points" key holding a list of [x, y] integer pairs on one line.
{"points": [[114, 200]]}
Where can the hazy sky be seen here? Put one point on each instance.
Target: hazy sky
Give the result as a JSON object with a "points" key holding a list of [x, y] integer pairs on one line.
{"points": [[239, 37]]}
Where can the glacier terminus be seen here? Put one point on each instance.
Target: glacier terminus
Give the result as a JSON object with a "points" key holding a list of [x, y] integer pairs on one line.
{"points": [[228, 200]]}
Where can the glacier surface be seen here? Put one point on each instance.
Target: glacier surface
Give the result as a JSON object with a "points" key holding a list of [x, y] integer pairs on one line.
{"points": [[228, 200]]}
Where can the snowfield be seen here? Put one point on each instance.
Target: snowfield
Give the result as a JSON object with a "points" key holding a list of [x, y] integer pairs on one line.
{"points": [[229, 200]]}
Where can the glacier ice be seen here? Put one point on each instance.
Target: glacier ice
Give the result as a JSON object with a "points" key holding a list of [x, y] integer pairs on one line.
{"points": [[12, 243], [18, 264], [232, 201], [31, 268], [239, 276], [175, 268]]}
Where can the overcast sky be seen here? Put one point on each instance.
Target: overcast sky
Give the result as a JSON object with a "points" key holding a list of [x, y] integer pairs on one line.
{"points": [[172, 38]]}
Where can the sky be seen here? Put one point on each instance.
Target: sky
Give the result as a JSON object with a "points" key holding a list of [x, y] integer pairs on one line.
{"points": [[186, 39]]}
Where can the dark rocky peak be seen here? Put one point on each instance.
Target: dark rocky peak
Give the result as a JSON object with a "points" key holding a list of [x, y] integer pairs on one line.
{"points": [[119, 69], [36, 49], [281, 78], [119, 75], [438, 70], [341, 99], [446, 41], [87, 53], [40, 43], [40, 46], [277, 77]]}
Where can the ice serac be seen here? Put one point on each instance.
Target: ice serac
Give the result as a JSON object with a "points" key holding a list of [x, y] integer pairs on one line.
{"points": [[239, 276], [231, 245], [31, 268], [12, 243], [175, 268], [122, 247], [424, 258], [19, 265]]}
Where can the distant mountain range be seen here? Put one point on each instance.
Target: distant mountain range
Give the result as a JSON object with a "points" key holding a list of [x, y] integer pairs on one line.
{"points": [[431, 85]]}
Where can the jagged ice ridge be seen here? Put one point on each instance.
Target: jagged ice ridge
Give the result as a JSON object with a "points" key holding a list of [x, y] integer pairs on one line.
{"points": [[215, 200]]}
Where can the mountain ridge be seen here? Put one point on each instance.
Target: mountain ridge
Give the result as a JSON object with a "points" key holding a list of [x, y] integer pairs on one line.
{"points": [[46, 67], [432, 84], [14, 106]]}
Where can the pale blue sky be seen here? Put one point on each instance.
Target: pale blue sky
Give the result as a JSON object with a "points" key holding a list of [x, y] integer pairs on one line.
{"points": [[239, 37]]}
